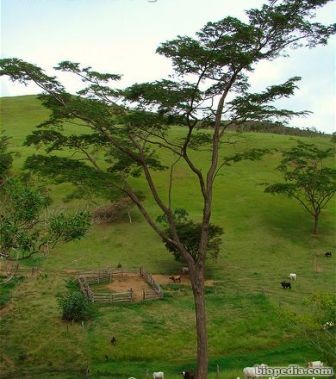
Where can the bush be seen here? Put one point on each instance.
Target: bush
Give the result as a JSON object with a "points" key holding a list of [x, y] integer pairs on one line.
{"points": [[75, 307]]}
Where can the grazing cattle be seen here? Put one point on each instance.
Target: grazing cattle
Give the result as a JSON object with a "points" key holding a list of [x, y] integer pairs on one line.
{"points": [[188, 375], [285, 284], [158, 375], [292, 276], [251, 372], [328, 254], [315, 364], [113, 341], [175, 278], [185, 270]]}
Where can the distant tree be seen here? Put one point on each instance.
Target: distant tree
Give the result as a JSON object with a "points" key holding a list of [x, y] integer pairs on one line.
{"points": [[26, 228], [307, 178], [211, 83]]}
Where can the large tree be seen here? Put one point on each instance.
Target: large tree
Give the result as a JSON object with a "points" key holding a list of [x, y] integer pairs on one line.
{"points": [[308, 179], [127, 127]]}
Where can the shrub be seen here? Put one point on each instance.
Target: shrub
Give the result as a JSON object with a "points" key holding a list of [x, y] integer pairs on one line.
{"points": [[75, 307]]}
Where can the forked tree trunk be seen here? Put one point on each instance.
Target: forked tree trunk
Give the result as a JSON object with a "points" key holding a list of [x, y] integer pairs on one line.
{"points": [[197, 281]]}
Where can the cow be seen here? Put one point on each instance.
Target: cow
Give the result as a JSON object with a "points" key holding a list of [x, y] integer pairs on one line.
{"points": [[286, 284], [175, 278]]}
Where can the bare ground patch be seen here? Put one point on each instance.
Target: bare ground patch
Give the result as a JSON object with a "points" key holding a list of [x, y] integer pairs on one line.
{"points": [[125, 281]]}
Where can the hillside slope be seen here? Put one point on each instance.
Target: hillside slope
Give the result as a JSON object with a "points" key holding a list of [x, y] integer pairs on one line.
{"points": [[265, 238]]}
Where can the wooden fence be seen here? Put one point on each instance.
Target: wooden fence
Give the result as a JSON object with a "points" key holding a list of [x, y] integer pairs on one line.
{"points": [[84, 286], [103, 275], [155, 292], [110, 297], [106, 276]]}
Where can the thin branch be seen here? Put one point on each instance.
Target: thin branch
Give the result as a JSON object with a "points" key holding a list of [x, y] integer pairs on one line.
{"points": [[171, 182]]}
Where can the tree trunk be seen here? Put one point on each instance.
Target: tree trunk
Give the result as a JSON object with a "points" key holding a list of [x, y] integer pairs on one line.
{"points": [[197, 281], [316, 219]]}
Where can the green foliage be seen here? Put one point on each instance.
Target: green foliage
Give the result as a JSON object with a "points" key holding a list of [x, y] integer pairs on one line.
{"points": [[25, 227], [66, 228], [254, 154], [318, 326], [189, 233], [75, 306], [6, 158], [307, 178]]}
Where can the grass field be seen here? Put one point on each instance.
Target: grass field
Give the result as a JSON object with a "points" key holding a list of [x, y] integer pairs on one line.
{"points": [[265, 238]]}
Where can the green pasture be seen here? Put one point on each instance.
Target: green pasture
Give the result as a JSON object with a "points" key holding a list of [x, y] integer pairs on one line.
{"points": [[265, 238]]}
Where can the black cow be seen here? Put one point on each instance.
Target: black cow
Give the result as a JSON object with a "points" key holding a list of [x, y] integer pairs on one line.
{"points": [[285, 284], [328, 254], [188, 375]]}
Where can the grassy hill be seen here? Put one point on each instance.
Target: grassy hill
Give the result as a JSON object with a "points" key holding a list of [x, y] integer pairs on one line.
{"points": [[265, 238]]}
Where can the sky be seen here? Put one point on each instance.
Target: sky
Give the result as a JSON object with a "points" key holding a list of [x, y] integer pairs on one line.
{"points": [[121, 36]]}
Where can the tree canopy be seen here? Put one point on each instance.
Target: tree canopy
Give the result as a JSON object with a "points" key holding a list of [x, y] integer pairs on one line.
{"points": [[308, 178]]}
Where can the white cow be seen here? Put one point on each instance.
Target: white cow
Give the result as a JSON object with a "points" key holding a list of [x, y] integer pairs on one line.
{"points": [[158, 375], [315, 364], [251, 372], [292, 276]]}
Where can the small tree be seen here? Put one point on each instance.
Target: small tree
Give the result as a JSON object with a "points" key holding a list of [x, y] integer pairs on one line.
{"points": [[26, 228], [74, 304], [307, 179], [189, 233]]}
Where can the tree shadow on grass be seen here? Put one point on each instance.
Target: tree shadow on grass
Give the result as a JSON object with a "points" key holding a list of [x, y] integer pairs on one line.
{"points": [[295, 225]]}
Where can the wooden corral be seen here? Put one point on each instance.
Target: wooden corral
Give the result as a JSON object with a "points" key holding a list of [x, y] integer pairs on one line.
{"points": [[85, 279]]}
